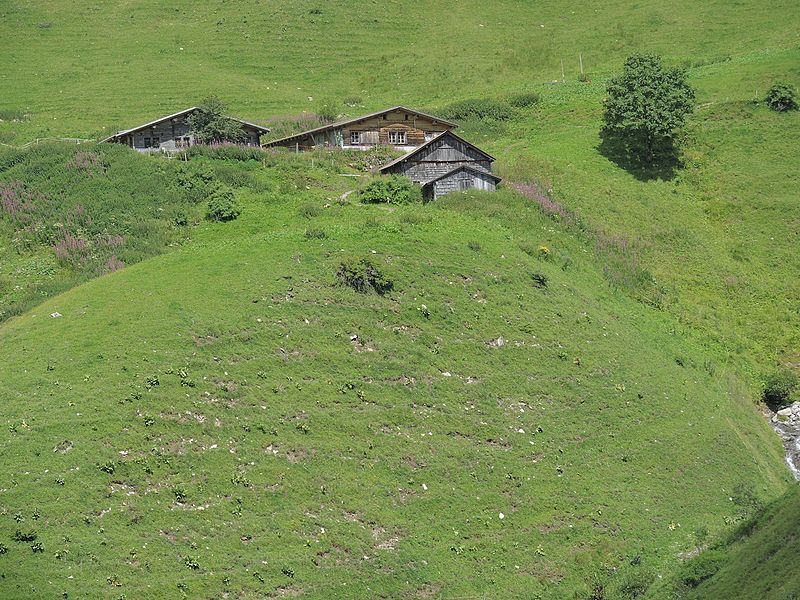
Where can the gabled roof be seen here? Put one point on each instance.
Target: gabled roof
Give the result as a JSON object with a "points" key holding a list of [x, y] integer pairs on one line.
{"points": [[464, 168], [344, 122], [419, 149], [180, 114]]}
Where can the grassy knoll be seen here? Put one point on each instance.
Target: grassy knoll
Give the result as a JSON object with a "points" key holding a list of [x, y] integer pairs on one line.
{"points": [[227, 417]]}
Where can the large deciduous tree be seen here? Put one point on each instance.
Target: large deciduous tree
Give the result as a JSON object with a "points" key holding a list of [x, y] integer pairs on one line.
{"points": [[646, 106], [209, 124]]}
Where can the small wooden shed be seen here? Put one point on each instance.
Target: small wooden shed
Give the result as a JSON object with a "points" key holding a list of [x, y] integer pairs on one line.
{"points": [[446, 163], [172, 133], [461, 178]]}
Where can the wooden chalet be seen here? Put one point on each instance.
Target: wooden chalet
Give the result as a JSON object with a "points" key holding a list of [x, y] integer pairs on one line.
{"points": [[403, 128], [171, 133], [444, 164]]}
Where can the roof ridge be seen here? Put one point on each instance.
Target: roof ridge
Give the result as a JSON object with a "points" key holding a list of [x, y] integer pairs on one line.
{"points": [[342, 122]]}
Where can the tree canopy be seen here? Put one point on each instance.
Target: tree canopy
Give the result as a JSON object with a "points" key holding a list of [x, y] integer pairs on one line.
{"points": [[647, 104], [210, 125]]}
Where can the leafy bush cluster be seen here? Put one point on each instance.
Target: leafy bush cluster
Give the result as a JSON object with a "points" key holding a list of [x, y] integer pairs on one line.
{"points": [[779, 387], [391, 189], [362, 275], [523, 100], [478, 108], [782, 97], [210, 125], [227, 151], [701, 568], [222, 205]]}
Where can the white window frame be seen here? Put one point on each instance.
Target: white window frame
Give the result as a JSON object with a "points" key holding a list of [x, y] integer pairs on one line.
{"points": [[397, 138], [355, 138]]}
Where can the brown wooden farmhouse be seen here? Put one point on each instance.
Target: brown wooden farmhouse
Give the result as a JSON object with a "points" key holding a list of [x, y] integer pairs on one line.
{"points": [[400, 127], [444, 164], [171, 133]]}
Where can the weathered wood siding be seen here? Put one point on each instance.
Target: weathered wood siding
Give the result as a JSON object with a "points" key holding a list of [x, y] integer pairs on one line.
{"points": [[463, 179], [438, 158], [165, 136], [375, 130]]}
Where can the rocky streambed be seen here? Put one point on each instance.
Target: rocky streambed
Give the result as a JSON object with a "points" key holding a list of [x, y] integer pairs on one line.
{"points": [[787, 423]]}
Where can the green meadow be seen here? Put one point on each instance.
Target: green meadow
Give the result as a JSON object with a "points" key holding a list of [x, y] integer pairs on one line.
{"points": [[558, 398]]}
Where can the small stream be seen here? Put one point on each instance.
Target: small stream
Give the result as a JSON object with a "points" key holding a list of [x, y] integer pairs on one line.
{"points": [[787, 423]]}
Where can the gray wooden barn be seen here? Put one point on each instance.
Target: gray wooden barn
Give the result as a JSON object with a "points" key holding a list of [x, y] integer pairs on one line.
{"points": [[445, 164], [171, 133]]}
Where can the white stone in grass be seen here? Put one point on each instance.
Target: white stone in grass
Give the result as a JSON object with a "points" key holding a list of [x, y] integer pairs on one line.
{"points": [[424, 487], [502, 516], [55, 315]]}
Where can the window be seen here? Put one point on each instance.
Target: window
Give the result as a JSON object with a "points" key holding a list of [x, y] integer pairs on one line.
{"points": [[147, 142], [355, 138], [156, 142], [398, 138], [429, 135]]}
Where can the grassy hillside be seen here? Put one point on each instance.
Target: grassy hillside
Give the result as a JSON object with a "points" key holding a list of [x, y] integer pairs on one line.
{"points": [[81, 66], [227, 418], [756, 562], [69, 213]]}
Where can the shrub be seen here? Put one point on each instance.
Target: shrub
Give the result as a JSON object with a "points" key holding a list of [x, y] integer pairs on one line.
{"points": [[315, 234], [782, 97], [328, 111], [222, 205], [474, 246], [391, 189], [210, 125], [352, 101], [701, 568], [309, 210], [478, 108], [779, 387], [523, 100], [539, 280], [633, 584], [362, 275], [24, 536]]}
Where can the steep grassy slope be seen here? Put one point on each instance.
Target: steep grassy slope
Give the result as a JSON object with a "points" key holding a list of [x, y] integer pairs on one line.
{"points": [[645, 408], [69, 213], [225, 417], [758, 561]]}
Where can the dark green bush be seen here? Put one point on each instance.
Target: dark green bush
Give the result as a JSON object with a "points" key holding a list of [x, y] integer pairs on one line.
{"points": [[474, 246], [391, 189], [633, 583], [782, 97], [697, 570], [352, 101], [523, 100], [222, 205], [362, 275], [478, 108], [539, 280], [779, 387], [309, 210], [227, 152], [315, 234]]}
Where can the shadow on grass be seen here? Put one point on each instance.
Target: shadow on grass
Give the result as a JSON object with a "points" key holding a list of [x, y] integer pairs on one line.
{"points": [[662, 163]]}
